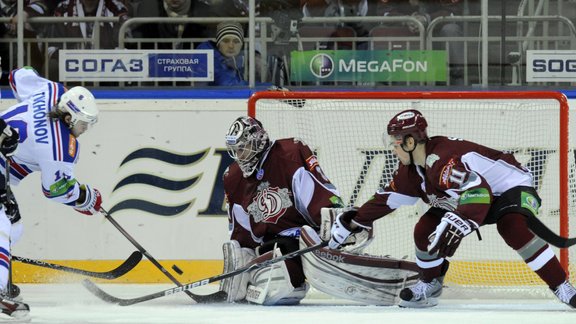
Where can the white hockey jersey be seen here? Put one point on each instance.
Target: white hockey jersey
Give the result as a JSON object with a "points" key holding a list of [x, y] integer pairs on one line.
{"points": [[46, 144]]}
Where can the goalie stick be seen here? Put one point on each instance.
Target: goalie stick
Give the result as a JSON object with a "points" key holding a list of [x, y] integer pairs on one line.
{"points": [[184, 288], [119, 271], [197, 298]]}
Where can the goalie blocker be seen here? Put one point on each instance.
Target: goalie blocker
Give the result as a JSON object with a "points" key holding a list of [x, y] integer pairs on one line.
{"points": [[367, 279]]}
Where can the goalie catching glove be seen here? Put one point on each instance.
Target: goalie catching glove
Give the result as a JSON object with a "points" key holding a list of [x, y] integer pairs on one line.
{"points": [[89, 202], [449, 233]]}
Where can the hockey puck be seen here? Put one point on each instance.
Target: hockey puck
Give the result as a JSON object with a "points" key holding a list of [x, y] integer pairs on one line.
{"points": [[14, 291], [178, 270]]}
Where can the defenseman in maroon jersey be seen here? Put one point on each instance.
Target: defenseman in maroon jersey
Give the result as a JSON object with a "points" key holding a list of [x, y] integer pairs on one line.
{"points": [[273, 188], [466, 185]]}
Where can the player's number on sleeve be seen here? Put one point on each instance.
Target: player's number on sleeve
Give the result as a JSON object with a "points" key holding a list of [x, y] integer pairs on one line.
{"points": [[19, 125]]}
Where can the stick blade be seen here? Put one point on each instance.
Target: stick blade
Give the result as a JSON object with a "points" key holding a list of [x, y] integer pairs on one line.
{"points": [[542, 231], [96, 291], [126, 266], [217, 297]]}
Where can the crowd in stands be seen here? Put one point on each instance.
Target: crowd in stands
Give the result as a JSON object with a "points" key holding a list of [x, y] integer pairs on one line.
{"points": [[162, 35]]}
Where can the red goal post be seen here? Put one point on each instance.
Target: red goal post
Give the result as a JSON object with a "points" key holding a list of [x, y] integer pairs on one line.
{"points": [[345, 128]]}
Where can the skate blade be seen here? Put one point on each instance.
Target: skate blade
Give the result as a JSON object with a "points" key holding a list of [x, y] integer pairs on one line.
{"points": [[21, 316], [430, 302]]}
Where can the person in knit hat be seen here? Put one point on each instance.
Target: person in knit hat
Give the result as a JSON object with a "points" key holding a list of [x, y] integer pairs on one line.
{"points": [[228, 57], [229, 38]]}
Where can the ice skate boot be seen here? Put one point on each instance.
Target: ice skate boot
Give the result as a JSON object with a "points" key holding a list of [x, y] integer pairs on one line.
{"points": [[566, 293], [422, 294], [13, 310]]}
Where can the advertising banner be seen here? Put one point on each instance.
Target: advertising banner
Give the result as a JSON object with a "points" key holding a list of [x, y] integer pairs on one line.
{"points": [[369, 66], [136, 65], [550, 66]]}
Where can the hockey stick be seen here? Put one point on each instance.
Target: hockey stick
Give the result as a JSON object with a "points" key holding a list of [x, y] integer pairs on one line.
{"points": [[130, 301], [196, 298], [540, 229], [119, 271], [10, 287]]}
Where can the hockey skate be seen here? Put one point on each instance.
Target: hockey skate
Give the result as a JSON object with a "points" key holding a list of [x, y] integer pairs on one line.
{"points": [[566, 293], [15, 311], [422, 294]]}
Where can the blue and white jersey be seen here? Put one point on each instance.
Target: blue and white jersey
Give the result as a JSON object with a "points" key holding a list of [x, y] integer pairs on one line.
{"points": [[46, 144]]}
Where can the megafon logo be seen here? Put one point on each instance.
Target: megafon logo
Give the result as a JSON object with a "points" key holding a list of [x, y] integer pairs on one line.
{"points": [[321, 65]]}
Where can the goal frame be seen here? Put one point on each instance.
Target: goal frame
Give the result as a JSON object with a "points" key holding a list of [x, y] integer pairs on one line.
{"points": [[455, 95]]}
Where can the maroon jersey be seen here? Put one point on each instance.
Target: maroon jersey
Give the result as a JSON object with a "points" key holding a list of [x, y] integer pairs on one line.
{"points": [[459, 176], [286, 192]]}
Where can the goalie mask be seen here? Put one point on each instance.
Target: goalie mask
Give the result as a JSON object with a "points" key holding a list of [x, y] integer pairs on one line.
{"points": [[246, 140], [81, 105]]}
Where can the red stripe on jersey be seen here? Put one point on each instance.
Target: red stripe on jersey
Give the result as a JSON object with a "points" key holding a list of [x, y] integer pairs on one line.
{"points": [[54, 98], [11, 81], [18, 168], [4, 257]]}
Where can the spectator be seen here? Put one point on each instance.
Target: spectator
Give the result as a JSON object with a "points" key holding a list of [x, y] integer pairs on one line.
{"points": [[426, 11], [227, 8], [108, 31], [339, 8], [90, 8], [176, 9], [32, 8], [228, 56]]}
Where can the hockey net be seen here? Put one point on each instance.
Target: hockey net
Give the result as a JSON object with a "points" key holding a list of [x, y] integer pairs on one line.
{"points": [[346, 130]]}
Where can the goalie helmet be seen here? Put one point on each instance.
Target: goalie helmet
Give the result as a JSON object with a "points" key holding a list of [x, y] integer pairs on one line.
{"points": [[408, 122], [81, 105], [246, 140]]}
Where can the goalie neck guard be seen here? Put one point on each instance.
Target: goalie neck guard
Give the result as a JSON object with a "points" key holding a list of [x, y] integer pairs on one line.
{"points": [[246, 140]]}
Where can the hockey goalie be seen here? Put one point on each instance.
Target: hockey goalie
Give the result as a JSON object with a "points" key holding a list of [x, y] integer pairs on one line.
{"points": [[278, 199]]}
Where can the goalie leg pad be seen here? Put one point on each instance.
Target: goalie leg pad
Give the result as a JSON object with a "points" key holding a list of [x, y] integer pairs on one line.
{"points": [[363, 278], [272, 286], [235, 257]]}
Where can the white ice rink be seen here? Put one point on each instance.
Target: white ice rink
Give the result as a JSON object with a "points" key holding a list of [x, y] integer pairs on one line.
{"points": [[72, 303]]}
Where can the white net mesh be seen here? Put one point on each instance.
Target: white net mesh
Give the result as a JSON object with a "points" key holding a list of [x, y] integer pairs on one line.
{"points": [[347, 136]]}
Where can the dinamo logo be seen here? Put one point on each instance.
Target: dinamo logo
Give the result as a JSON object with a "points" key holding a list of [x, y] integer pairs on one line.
{"points": [[321, 65]]}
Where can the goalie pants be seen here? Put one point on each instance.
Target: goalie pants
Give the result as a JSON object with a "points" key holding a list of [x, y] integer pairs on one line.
{"points": [[512, 227]]}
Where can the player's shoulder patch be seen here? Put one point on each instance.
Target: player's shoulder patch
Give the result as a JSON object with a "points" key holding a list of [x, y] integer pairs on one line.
{"points": [[430, 159], [72, 146], [312, 162]]}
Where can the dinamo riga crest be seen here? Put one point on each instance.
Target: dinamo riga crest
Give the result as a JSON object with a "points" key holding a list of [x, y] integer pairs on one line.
{"points": [[269, 204]]}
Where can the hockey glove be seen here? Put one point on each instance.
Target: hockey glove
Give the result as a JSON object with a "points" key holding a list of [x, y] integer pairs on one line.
{"points": [[449, 233], [10, 205], [89, 202], [342, 228], [9, 143]]}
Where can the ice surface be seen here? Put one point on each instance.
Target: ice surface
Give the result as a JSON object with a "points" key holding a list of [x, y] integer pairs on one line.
{"points": [[72, 303]]}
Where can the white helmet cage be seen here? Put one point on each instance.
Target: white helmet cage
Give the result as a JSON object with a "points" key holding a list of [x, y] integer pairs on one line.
{"points": [[80, 103], [245, 140]]}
